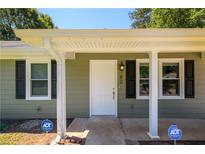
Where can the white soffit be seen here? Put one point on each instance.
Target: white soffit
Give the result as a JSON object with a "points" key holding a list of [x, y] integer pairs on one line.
{"points": [[127, 40], [118, 44]]}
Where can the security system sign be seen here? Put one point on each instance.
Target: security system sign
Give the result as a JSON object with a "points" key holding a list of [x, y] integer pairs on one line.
{"points": [[174, 133], [47, 125]]}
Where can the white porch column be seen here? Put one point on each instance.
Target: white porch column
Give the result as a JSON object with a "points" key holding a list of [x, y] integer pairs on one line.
{"points": [[61, 99], [61, 90], [153, 98]]}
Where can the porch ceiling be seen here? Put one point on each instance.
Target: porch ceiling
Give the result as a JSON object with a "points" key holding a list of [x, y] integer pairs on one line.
{"points": [[138, 40]]}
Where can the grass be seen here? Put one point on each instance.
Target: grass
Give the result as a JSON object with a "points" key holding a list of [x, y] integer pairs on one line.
{"points": [[13, 135], [26, 138], [10, 138]]}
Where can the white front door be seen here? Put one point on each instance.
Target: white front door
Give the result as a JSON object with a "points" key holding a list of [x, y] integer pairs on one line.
{"points": [[103, 87]]}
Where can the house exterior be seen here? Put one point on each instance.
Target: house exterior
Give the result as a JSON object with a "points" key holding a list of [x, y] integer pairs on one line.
{"points": [[139, 73]]}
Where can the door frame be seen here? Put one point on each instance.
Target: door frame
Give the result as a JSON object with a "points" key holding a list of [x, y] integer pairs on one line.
{"points": [[90, 85]]}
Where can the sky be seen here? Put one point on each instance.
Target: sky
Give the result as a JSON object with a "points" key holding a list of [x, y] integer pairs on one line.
{"points": [[90, 18]]}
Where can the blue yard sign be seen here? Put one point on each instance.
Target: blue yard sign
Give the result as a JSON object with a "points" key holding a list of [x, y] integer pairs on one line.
{"points": [[174, 133], [47, 125]]}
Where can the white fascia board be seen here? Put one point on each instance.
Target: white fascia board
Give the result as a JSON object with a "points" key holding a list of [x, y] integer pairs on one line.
{"points": [[23, 49], [110, 32], [16, 53]]}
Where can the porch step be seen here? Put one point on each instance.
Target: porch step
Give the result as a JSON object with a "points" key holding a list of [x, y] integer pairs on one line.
{"points": [[104, 131], [77, 128], [97, 130]]}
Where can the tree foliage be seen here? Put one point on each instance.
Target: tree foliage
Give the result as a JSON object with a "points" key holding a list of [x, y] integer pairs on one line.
{"points": [[168, 18], [22, 19], [140, 17]]}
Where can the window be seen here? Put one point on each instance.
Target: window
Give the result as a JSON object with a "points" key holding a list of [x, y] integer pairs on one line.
{"points": [[38, 80], [171, 79], [142, 79]]}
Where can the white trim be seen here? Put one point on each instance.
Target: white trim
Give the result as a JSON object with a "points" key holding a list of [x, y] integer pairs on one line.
{"points": [[160, 61], [138, 61], [61, 88], [90, 95], [153, 94], [90, 85], [116, 87], [181, 77], [16, 57], [117, 40], [152, 137], [28, 79], [61, 97], [150, 32]]}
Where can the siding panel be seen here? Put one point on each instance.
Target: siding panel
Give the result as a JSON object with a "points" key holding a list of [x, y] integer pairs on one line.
{"points": [[78, 89], [12, 108], [77, 84]]}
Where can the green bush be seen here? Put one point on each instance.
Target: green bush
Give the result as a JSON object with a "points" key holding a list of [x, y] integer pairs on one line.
{"points": [[3, 126]]}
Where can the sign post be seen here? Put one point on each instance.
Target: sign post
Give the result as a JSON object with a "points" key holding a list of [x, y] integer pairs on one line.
{"points": [[47, 125], [174, 133]]}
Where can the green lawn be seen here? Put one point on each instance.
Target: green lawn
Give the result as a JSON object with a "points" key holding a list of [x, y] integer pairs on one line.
{"points": [[11, 138]]}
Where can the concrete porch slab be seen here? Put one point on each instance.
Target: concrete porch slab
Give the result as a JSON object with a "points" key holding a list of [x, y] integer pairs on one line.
{"points": [[98, 130], [104, 131], [115, 131], [136, 129]]}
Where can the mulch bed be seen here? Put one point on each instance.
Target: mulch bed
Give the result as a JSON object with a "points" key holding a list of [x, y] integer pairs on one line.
{"points": [[72, 140], [166, 142], [13, 126]]}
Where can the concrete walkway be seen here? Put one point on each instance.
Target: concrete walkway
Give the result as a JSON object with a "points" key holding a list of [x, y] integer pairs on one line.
{"points": [[98, 130], [115, 131]]}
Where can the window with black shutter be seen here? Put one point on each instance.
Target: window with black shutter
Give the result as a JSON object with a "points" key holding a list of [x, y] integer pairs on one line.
{"points": [[189, 79], [20, 79], [131, 79], [53, 79]]}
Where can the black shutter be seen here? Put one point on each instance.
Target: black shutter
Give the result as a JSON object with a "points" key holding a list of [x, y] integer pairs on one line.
{"points": [[189, 79], [130, 79], [20, 79], [53, 79]]}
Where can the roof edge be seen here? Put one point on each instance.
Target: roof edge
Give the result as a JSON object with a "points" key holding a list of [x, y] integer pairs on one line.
{"points": [[150, 32]]}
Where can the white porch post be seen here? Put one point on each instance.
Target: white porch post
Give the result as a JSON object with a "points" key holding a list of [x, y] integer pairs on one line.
{"points": [[61, 99], [61, 90], [153, 98]]}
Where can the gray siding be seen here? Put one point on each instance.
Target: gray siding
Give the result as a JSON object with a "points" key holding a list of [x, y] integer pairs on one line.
{"points": [[77, 83], [78, 89], [13, 108]]}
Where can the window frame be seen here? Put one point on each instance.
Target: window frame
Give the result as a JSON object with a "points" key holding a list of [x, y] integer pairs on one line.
{"points": [[160, 78], [29, 62], [138, 62], [181, 77]]}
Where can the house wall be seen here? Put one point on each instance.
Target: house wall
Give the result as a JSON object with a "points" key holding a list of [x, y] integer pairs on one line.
{"points": [[12, 108], [77, 77], [78, 89]]}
